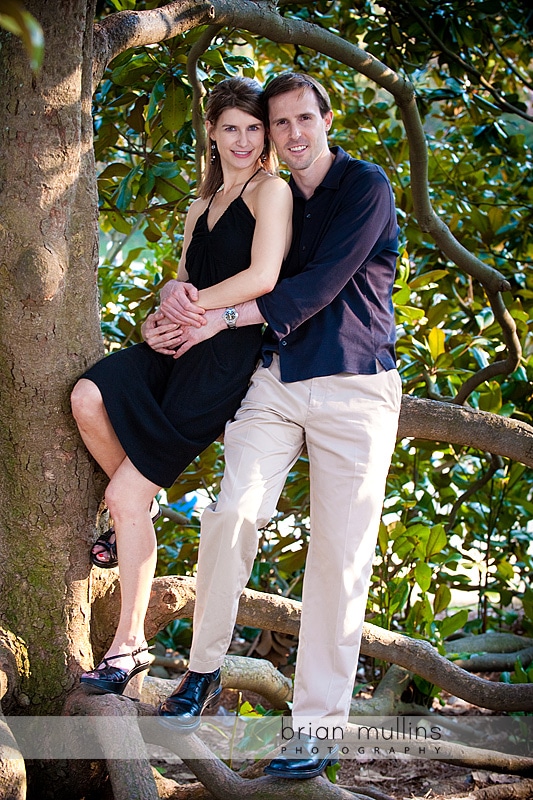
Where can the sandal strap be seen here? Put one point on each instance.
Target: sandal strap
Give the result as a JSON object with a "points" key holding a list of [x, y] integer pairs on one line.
{"points": [[132, 653]]}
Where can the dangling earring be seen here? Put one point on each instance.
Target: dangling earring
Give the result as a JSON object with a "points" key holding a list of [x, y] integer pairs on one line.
{"points": [[213, 152], [263, 157]]}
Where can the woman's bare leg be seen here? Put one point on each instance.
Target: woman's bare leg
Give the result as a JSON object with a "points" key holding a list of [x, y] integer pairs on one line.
{"points": [[129, 498], [99, 438], [95, 427]]}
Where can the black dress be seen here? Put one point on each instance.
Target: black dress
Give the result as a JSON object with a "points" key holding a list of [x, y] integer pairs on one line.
{"points": [[165, 411]]}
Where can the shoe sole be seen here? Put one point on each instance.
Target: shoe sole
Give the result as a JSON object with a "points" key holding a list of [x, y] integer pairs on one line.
{"points": [[175, 724], [101, 686]]}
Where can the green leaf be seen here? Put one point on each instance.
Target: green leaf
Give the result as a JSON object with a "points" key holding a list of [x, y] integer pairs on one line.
{"points": [[436, 341], [452, 624], [442, 598], [115, 170], [175, 108], [437, 541], [15, 19], [118, 222], [383, 538], [423, 575], [492, 400], [125, 192], [434, 275]]}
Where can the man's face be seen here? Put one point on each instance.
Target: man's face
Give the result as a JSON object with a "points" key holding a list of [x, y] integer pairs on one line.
{"points": [[297, 128]]}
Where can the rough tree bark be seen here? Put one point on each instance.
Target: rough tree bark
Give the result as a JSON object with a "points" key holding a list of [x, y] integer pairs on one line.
{"points": [[48, 333]]}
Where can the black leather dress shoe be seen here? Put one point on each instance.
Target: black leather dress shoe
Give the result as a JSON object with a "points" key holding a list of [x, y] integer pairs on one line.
{"points": [[182, 709], [303, 757]]}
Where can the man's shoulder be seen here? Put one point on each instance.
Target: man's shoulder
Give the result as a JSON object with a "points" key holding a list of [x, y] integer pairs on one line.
{"points": [[360, 167], [347, 170]]}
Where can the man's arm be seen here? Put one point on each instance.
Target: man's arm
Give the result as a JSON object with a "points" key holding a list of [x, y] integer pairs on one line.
{"points": [[365, 216]]}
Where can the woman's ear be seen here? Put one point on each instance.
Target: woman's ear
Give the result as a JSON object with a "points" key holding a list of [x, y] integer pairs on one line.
{"points": [[209, 128]]}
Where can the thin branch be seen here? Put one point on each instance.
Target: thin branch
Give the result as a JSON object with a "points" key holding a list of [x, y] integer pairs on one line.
{"points": [[510, 66], [495, 465], [514, 350], [198, 92], [475, 73]]}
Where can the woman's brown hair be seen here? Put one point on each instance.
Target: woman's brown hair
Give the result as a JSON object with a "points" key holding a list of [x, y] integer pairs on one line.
{"points": [[246, 95]]}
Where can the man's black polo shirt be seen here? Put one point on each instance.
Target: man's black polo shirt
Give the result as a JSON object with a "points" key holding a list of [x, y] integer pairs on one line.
{"points": [[332, 310]]}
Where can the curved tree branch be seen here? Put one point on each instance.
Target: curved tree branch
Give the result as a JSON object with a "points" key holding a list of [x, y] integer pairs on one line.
{"points": [[510, 335], [173, 598], [125, 29], [237, 672]]}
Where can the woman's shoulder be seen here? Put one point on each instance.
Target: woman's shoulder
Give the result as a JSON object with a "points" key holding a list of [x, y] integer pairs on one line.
{"points": [[269, 185], [196, 209]]}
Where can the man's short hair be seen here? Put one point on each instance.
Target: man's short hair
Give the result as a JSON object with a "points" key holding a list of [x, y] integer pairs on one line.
{"points": [[289, 81]]}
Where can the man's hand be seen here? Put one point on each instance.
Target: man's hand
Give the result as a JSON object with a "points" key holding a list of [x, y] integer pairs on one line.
{"points": [[179, 304], [162, 335], [213, 323]]}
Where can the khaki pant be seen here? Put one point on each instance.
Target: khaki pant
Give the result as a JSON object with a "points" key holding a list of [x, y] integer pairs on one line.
{"points": [[349, 424]]}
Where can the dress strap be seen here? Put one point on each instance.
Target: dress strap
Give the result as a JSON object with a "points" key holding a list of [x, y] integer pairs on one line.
{"points": [[250, 179], [242, 190]]}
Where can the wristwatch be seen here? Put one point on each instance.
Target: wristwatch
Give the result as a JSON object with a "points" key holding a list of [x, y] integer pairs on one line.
{"points": [[230, 317]]}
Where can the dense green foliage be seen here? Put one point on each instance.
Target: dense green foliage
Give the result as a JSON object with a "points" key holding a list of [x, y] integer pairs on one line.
{"points": [[455, 519]]}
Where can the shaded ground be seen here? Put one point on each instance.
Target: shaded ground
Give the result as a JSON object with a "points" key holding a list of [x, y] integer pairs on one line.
{"points": [[407, 779], [396, 778]]}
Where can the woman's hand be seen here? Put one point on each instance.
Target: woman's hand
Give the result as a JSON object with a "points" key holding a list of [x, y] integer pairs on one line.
{"points": [[160, 334], [179, 304], [213, 324]]}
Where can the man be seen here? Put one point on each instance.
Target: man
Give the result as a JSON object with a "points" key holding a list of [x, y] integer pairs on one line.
{"points": [[328, 381]]}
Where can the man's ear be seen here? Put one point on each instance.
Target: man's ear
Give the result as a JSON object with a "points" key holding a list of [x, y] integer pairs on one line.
{"points": [[328, 120]]}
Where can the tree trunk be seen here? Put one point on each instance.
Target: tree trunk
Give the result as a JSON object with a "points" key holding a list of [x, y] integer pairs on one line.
{"points": [[49, 332]]}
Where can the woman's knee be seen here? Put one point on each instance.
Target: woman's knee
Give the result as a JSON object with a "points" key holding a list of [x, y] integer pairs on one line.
{"points": [[86, 401], [117, 500], [128, 494]]}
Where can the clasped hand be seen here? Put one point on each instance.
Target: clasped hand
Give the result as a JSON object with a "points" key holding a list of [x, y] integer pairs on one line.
{"points": [[179, 323], [179, 304]]}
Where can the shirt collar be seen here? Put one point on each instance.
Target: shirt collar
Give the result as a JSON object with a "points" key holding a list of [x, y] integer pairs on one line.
{"points": [[333, 176]]}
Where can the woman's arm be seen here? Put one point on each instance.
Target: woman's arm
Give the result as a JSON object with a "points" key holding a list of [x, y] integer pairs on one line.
{"points": [[271, 205], [272, 209]]}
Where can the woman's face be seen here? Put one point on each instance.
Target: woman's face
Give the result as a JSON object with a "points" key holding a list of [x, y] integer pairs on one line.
{"points": [[240, 138]]}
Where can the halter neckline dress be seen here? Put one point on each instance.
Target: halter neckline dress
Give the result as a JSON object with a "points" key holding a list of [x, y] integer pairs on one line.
{"points": [[166, 411]]}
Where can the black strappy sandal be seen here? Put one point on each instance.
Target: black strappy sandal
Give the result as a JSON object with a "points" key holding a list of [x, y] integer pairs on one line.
{"points": [[110, 548], [112, 679]]}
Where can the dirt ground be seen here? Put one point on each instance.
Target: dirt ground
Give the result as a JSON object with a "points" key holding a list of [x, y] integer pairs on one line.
{"points": [[399, 778], [391, 779]]}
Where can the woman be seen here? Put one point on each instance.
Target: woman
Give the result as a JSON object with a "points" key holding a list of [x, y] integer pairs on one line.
{"points": [[145, 415]]}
